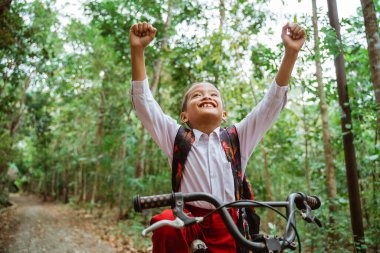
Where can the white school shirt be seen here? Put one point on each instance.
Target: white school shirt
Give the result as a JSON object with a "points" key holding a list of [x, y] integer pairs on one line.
{"points": [[207, 168]]}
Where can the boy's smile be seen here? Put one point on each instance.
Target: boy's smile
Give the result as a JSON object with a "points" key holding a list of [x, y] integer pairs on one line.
{"points": [[207, 104]]}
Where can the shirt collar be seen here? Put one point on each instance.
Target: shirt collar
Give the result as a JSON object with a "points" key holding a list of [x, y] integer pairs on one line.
{"points": [[198, 134]]}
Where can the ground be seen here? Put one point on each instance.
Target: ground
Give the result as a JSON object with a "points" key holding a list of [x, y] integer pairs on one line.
{"points": [[32, 226]]}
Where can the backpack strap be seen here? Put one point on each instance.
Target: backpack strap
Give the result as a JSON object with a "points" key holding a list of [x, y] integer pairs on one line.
{"points": [[231, 145], [182, 144], [248, 221]]}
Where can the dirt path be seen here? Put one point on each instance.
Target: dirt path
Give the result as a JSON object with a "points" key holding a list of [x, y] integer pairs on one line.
{"points": [[31, 226]]}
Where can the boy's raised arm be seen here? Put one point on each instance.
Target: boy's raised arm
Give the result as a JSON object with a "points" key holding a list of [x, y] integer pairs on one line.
{"points": [[140, 35], [253, 127], [161, 127], [293, 37]]}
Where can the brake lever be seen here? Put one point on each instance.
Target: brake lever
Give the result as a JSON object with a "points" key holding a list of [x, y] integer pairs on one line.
{"points": [[307, 216], [177, 223], [181, 218], [318, 222]]}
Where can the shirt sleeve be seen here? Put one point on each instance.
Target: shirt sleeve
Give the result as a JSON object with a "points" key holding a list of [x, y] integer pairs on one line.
{"points": [[253, 127], [161, 127]]}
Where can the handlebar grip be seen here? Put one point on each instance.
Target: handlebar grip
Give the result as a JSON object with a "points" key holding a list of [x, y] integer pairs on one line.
{"points": [[147, 202], [313, 201]]}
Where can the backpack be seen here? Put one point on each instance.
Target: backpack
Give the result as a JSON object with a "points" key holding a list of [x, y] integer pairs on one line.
{"points": [[248, 221]]}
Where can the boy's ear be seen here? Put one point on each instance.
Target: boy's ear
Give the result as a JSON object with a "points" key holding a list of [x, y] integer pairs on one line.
{"points": [[224, 116], [184, 118]]}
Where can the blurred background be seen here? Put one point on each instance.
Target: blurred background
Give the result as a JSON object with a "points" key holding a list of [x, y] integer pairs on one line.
{"points": [[69, 132]]}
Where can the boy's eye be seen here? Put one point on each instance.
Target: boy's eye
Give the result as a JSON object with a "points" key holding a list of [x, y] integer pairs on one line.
{"points": [[196, 95], [214, 94]]}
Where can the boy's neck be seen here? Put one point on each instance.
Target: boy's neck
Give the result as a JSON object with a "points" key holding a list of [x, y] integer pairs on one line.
{"points": [[205, 128]]}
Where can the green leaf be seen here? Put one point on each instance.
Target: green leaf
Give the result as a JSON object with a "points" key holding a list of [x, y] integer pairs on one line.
{"points": [[373, 157]]}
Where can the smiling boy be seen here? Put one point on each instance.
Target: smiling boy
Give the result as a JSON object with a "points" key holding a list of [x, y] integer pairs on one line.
{"points": [[203, 105], [207, 168]]}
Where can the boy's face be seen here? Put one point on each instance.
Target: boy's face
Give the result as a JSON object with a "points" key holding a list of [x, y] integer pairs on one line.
{"points": [[203, 106]]}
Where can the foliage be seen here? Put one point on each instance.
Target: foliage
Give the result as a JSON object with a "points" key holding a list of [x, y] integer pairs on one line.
{"points": [[65, 110]]}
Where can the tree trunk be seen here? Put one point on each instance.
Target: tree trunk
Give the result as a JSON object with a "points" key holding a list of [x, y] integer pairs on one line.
{"points": [[219, 42], [306, 145], [164, 43], [40, 186], [326, 136], [81, 181], [57, 189], [348, 137], [139, 171], [269, 195], [4, 6], [85, 184], [99, 141], [19, 110], [81, 170], [123, 154], [76, 180], [222, 15], [373, 41], [66, 182], [45, 168], [53, 183]]}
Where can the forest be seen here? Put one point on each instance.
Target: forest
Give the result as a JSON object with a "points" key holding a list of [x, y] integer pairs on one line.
{"points": [[69, 133]]}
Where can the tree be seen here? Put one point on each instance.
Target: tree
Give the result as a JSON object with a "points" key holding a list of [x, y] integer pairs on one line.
{"points": [[4, 6], [328, 153], [348, 137], [373, 41]]}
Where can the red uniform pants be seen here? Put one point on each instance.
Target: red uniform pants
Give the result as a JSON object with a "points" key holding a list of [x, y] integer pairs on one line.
{"points": [[211, 231]]}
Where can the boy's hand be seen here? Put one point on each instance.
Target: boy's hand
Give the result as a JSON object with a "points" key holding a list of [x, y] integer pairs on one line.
{"points": [[141, 34], [293, 37]]}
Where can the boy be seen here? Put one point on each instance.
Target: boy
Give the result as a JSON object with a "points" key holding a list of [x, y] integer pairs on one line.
{"points": [[206, 168]]}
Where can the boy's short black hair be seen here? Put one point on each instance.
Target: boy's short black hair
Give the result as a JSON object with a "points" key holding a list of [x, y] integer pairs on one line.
{"points": [[184, 100]]}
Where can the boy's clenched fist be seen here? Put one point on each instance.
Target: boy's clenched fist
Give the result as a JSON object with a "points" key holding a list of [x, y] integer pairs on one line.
{"points": [[141, 34]]}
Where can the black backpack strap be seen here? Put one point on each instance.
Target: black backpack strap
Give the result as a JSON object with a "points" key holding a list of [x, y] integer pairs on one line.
{"points": [[182, 146]]}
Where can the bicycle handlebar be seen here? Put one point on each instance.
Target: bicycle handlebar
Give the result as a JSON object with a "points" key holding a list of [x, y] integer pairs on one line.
{"points": [[177, 201], [154, 201], [164, 200], [312, 201]]}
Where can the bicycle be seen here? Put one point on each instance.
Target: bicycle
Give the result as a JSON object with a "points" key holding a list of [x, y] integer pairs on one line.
{"points": [[304, 204]]}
